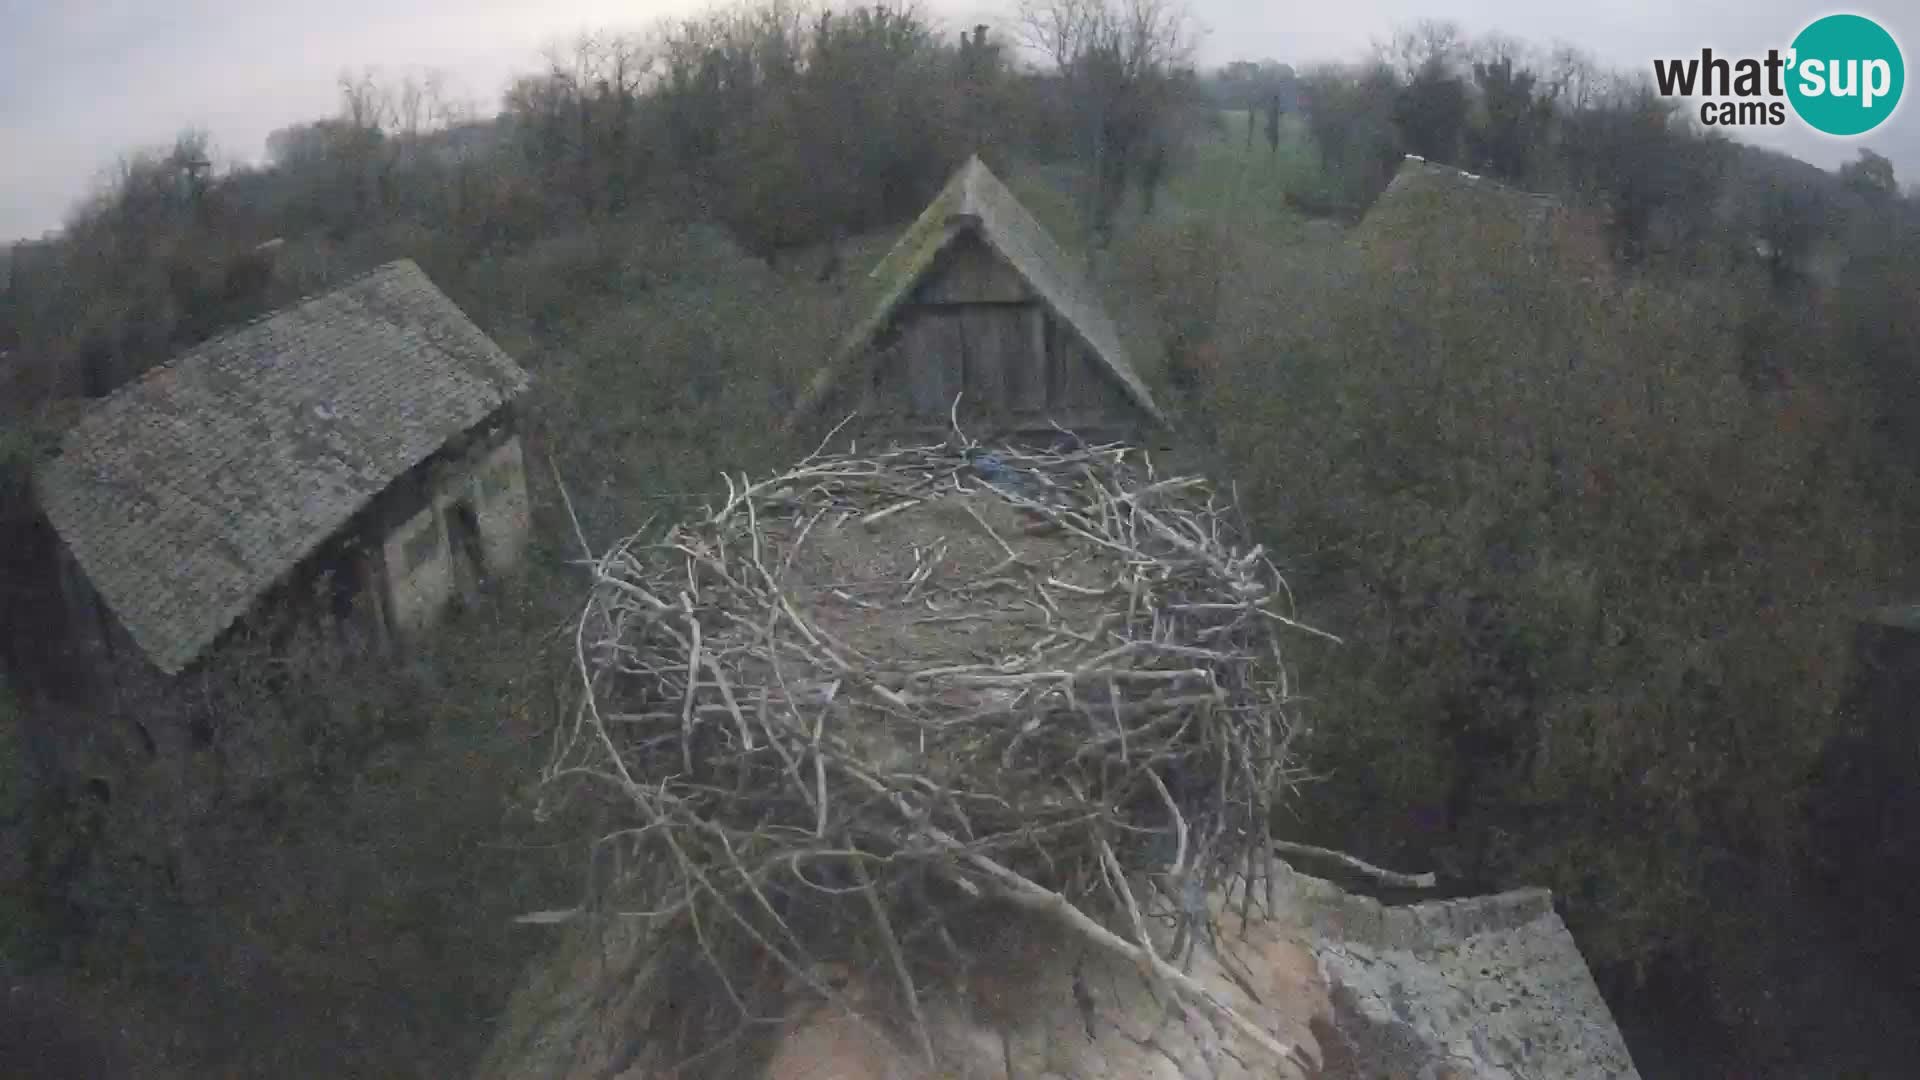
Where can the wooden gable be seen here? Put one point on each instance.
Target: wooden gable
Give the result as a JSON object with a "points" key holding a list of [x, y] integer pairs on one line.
{"points": [[1014, 367]]}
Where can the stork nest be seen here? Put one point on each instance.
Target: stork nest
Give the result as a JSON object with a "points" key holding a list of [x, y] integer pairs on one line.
{"points": [[877, 691]]}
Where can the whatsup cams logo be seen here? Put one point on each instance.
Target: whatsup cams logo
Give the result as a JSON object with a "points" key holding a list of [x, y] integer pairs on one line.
{"points": [[1842, 75]]}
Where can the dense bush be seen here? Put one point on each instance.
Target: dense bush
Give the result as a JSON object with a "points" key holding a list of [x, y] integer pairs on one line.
{"points": [[1598, 588], [303, 858], [1597, 512], [1514, 117]]}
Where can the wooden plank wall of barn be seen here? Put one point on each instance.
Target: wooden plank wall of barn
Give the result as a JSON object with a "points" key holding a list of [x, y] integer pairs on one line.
{"points": [[975, 326]]}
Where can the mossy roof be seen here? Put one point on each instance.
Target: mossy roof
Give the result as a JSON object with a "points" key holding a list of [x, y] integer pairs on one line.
{"points": [[975, 202], [1422, 189]]}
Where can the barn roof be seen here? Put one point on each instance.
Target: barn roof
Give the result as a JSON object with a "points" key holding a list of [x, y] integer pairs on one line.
{"points": [[976, 202], [187, 494], [1419, 187]]}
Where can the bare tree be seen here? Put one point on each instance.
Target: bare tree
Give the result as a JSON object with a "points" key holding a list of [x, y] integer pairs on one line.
{"points": [[1062, 30], [1871, 175], [444, 108], [365, 104], [1571, 79], [1119, 63], [410, 112], [1425, 43], [577, 120], [155, 187], [1496, 48], [367, 116]]}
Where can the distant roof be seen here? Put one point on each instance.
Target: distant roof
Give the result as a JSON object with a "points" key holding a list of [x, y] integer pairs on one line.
{"points": [[975, 201], [1417, 174], [187, 494]]}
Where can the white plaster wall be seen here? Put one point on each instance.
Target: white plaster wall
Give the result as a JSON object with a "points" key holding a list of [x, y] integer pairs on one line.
{"points": [[417, 593], [495, 484], [498, 489]]}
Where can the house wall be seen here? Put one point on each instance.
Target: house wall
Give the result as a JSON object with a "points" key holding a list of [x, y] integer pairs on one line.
{"points": [[974, 328], [419, 570], [970, 272], [1080, 389], [987, 352], [499, 486], [487, 475]]}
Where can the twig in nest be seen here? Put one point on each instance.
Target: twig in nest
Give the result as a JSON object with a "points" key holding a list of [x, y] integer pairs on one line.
{"points": [[586, 549], [1025, 893], [762, 745], [1384, 877], [885, 926]]}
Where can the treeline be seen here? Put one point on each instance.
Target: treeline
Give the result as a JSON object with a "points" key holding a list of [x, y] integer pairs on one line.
{"points": [[787, 125], [1553, 120], [790, 129], [1599, 509]]}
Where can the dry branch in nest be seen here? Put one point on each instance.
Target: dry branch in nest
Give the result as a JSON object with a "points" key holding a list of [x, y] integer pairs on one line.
{"points": [[881, 688]]}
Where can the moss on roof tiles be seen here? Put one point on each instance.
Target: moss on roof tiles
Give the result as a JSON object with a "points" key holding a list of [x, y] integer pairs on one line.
{"points": [[974, 200]]}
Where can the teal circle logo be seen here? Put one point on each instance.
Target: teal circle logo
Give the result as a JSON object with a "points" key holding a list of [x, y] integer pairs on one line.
{"points": [[1846, 75]]}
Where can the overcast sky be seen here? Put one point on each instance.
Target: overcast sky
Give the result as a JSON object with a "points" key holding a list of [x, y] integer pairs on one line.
{"points": [[83, 81]]}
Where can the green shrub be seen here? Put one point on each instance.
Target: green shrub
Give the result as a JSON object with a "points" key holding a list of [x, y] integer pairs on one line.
{"points": [[1350, 115], [327, 882]]}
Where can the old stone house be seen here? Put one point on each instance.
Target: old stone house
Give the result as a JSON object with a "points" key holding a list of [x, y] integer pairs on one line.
{"points": [[356, 452], [977, 304]]}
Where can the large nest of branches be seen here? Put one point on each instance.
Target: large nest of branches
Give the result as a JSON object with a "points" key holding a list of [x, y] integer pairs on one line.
{"points": [[862, 702]]}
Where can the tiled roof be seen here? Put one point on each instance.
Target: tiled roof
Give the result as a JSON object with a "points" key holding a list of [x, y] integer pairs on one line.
{"points": [[187, 494], [975, 201], [1495, 985]]}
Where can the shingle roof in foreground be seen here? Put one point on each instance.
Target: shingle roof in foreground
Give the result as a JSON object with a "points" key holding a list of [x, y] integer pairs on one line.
{"points": [[975, 201], [187, 494], [1494, 985]]}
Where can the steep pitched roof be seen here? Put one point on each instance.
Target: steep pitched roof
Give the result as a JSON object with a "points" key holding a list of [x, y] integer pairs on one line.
{"points": [[187, 494], [975, 201]]}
